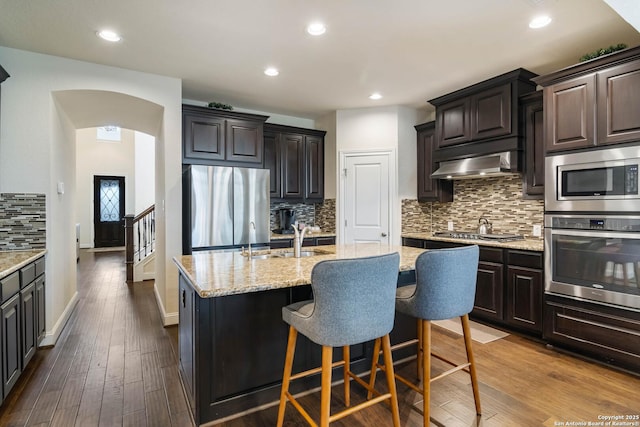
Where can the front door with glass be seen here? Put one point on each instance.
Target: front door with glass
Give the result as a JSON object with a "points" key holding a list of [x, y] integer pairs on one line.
{"points": [[108, 211]]}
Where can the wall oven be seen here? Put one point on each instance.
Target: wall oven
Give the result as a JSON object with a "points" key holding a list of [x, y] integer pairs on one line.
{"points": [[593, 181], [594, 257]]}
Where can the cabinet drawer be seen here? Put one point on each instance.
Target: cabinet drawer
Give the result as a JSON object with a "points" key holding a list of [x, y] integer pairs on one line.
{"points": [[27, 274], [39, 266], [491, 254], [525, 259], [10, 286]]}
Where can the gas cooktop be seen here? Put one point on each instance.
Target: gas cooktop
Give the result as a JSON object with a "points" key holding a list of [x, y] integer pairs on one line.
{"points": [[476, 236]]}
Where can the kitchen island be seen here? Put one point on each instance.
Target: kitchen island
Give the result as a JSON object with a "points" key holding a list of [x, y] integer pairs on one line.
{"points": [[232, 339]]}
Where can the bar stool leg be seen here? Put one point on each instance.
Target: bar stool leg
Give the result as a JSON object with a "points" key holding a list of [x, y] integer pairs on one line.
{"points": [[426, 371], [374, 367], [347, 378], [325, 394], [472, 364], [286, 377], [419, 351], [391, 379]]}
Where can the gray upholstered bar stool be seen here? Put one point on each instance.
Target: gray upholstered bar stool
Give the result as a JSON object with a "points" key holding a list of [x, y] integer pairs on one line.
{"points": [[353, 302], [445, 288]]}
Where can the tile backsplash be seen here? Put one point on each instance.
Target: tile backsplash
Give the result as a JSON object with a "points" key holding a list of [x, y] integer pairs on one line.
{"points": [[22, 221], [322, 214], [499, 199]]}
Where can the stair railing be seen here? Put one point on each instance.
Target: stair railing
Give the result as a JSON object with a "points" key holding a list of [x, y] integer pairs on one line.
{"points": [[140, 237]]}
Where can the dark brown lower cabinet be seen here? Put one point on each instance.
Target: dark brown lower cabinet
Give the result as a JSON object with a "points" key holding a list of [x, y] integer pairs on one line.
{"points": [[509, 288], [11, 359], [22, 311], [608, 334], [28, 319], [308, 241], [232, 348]]}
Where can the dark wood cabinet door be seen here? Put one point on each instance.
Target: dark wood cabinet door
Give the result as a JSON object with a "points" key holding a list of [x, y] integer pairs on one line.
{"points": [[280, 243], [533, 122], [322, 241], [28, 319], [292, 149], [430, 190], [619, 104], [453, 122], [203, 137], [569, 114], [524, 298], [11, 358], [244, 141], [489, 291], [314, 168], [414, 243], [186, 336], [491, 112], [41, 327], [272, 162]]}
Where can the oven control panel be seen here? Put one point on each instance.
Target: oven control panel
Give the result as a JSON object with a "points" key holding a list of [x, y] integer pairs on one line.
{"points": [[593, 222]]}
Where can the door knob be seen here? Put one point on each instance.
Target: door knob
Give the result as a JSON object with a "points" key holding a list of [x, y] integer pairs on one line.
{"points": [[384, 234]]}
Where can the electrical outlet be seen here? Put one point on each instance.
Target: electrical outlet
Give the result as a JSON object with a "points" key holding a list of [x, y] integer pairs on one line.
{"points": [[450, 225], [537, 231]]}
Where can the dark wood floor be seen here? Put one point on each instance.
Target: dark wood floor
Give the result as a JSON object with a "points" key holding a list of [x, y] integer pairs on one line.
{"points": [[115, 364]]}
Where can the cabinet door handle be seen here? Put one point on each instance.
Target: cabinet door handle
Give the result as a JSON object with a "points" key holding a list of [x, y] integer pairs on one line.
{"points": [[184, 298], [384, 234]]}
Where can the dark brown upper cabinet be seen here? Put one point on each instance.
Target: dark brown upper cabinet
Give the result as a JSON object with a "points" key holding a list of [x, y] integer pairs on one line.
{"points": [[569, 110], [593, 103], [295, 158], [531, 108], [618, 104], [430, 190], [220, 137], [482, 118]]}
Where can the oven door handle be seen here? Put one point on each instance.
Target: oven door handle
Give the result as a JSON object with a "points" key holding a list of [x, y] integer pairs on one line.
{"points": [[595, 233]]}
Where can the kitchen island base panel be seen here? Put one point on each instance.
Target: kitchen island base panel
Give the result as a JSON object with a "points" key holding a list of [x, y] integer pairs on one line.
{"points": [[232, 349]]}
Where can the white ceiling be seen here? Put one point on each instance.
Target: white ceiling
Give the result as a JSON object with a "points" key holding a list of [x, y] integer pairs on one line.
{"points": [[408, 50]]}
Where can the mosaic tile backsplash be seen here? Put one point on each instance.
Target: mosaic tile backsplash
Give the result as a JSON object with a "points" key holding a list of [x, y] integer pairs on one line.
{"points": [[499, 199], [321, 214], [22, 221]]}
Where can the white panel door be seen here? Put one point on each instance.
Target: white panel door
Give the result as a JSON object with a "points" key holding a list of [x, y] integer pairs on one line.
{"points": [[366, 201]]}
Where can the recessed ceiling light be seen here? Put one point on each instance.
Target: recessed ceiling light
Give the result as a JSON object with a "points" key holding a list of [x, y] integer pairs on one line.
{"points": [[375, 96], [316, 29], [540, 21], [108, 35], [271, 71]]}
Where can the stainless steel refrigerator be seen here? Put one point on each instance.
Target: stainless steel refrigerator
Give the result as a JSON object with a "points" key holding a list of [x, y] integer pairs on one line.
{"points": [[225, 205]]}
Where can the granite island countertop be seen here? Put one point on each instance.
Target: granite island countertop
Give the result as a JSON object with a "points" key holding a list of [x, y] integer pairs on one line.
{"points": [[527, 244], [215, 274], [11, 261]]}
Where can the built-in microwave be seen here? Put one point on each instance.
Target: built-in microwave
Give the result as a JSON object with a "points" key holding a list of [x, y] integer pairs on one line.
{"points": [[593, 181]]}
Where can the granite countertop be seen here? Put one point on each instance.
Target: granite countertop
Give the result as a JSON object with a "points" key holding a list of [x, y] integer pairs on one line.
{"points": [[277, 236], [11, 261], [526, 244], [215, 274]]}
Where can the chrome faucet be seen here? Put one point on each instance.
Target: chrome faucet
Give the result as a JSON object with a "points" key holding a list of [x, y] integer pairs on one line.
{"points": [[297, 240], [253, 226]]}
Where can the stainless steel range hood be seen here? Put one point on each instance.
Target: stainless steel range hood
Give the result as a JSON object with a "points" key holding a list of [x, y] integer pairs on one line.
{"points": [[476, 167]]}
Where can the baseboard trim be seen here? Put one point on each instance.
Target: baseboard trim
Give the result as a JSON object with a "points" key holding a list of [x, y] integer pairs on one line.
{"points": [[168, 319], [51, 337]]}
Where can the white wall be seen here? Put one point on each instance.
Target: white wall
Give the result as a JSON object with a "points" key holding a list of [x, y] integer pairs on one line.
{"points": [[145, 171], [381, 128], [37, 149], [95, 157]]}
